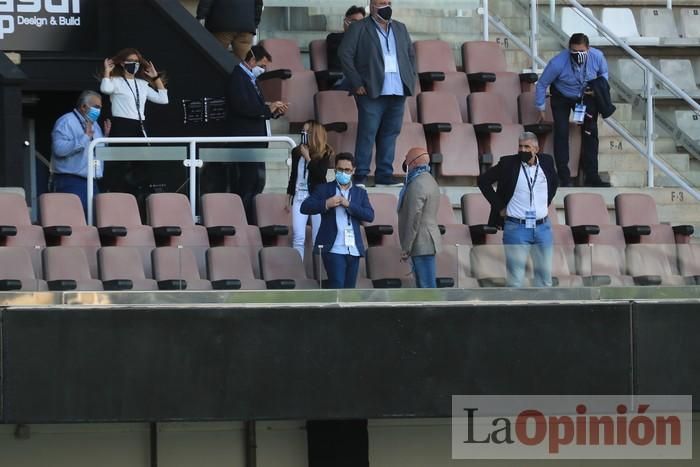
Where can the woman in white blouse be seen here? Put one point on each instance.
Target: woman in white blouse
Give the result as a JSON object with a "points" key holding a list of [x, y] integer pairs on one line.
{"points": [[130, 81]]}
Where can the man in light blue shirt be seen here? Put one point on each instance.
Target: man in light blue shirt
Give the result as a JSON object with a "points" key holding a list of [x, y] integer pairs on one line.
{"points": [[568, 76], [378, 62], [70, 140]]}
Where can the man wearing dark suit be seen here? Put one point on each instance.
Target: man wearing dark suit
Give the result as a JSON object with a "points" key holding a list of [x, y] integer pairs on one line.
{"points": [[248, 114], [378, 61], [526, 184], [343, 206]]}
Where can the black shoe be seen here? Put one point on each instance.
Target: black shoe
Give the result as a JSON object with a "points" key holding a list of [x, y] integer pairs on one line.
{"points": [[598, 183], [359, 181], [391, 181]]}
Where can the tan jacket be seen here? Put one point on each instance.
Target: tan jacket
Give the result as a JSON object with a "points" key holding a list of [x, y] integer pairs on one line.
{"points": [[418, 227]]}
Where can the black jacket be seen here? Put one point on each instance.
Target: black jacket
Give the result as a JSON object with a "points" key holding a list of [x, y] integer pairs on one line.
{"points": [[230, 15], [601, 91], [317, 169], [247, 108], [505, 174], [333, 41]]}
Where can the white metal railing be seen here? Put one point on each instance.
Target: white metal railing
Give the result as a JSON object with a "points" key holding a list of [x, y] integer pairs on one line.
{"points": [[192, 162]]}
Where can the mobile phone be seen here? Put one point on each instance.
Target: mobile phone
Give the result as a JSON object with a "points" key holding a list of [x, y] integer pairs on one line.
{"points": [[304, 137]]}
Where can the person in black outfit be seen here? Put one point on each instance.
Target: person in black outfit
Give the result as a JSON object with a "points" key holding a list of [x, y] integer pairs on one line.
{"points": [[232, 22], [333, 40]]}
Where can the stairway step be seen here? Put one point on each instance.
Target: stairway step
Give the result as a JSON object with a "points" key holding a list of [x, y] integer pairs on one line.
{"points": [[636, 162]]}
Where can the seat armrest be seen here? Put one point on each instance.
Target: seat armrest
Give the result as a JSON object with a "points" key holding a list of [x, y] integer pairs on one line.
{"points": [[221, 231], [492, 282], [167, 231], [431, 76], [8, 285], [281, 284], [647, 280], [112, 231], [597, 281], [486, 128], [118, 284], [282, 73], [56, 231], [172, 284], [528, 78], [377, 231], [273, 231], [636, 230], [540, 128], [684, 230], [442, 229], [8, 230], [437, 127], [387, 283], [226, 284], [582, 232], [328, 76], [482, 77], [62, 285], [337, 127], [444, 282], [482, 230]]}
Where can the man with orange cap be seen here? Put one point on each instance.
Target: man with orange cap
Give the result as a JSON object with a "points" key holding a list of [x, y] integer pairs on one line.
{"points": [[419, 201]]}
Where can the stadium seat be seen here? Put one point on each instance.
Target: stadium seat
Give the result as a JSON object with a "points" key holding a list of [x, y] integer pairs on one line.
{"points": [[274, 219], [223, 211], [453, 233], [386, 270], [689, 261], [495, 128], [485, 65], [653, 265], [454, 267], [230, 267], [412, 136], [298, 90], [17, 271], [119, 224], [689, 22], [600, 244], [657, 22], [66, 268], [636, 214], [448, 135], [383, 231], [121, 268], [16, 229], [563, 254], [475, 213], [63, 219], [572, 22], [621, 21], [282, 268], [680, 72], [489, 265], [688, 121], [175, 268], [437, 71], [338, 112], [318, 59], [529, 118], [170, 216]]}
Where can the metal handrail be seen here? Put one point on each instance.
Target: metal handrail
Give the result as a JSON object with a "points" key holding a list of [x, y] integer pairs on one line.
{"points": [[192, 162]]}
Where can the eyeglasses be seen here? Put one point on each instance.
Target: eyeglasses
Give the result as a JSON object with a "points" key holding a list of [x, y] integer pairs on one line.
{"points": [[346, 171]]}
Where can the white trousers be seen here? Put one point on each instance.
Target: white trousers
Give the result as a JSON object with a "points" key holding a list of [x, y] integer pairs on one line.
{"points": [[299, 221]]}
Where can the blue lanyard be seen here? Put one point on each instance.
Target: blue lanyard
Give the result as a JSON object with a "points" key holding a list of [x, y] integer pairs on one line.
{"points": [[340, 190], [385, 36]]}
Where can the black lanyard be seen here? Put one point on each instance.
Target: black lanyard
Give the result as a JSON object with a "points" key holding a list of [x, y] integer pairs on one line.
{"points": [[137, 99], [385, 36], [531, 182], [581, 76]]}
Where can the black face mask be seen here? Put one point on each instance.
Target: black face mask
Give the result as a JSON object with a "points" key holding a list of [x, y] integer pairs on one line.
{"points": [[131, 67], [385, 13], [579, 58], [525, 156]]}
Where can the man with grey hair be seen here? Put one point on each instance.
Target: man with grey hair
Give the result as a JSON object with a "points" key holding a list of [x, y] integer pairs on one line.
{"points": [[525, 186], [70, 140]]}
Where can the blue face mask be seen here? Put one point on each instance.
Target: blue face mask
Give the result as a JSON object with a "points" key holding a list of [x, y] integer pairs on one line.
{"points": [[93, 114], [342, 178]]}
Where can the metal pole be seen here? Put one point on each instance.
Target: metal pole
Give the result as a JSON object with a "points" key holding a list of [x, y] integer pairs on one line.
{"points": [[650, 127], [90, 180], [533, 34], [553, 10], [669, 4], [193, 179], [485, 18]]}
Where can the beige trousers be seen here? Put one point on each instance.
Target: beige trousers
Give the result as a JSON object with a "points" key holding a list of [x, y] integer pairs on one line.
{"points": [[240, 42]]}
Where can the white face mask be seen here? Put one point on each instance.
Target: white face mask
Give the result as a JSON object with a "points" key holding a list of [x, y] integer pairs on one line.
{"points": [[257, 71]]}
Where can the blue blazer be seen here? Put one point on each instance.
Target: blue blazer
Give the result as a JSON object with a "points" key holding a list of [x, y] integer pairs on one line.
{"points": [[359, 211]]}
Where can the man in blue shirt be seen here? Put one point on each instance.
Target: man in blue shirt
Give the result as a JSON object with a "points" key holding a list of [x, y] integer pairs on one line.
{"points": [[568, 75], [70, 139], [378, 62]]}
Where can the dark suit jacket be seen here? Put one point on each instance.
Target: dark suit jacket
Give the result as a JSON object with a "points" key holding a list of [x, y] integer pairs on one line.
{"points": [[247, 108], [230, 15], [333, 41], [362, 59], [505, 174], [359, 211], [316, 168], [601, 92]]}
